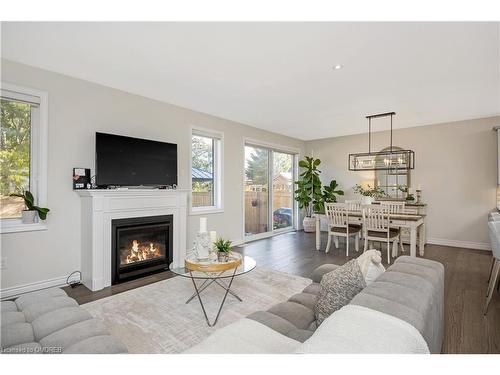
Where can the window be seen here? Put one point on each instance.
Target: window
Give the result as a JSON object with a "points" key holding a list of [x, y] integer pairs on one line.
{"points": [[206, 171], [23, 137]]}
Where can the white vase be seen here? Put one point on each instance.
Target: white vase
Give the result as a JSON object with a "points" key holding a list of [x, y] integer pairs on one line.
{"points": [[309, 224], [367, 200], [28, 217]]}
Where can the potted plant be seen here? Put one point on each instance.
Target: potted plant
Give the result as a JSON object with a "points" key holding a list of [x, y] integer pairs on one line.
{"points": [[369, 194], [29, 214], [405, 190], [308, 193], [223, 249], [329, 195]]}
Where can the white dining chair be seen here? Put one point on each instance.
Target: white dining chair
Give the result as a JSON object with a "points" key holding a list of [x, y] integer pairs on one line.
{"points": [[338, 226], [353, 205], [376, 227], [396, 207], [494, 231]]}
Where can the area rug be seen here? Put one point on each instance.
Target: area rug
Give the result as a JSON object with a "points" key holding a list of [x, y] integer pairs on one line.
{"points": [[156, 319]]}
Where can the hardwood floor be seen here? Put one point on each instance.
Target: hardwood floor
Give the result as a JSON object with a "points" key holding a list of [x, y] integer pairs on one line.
{"points": [[467, 330]]}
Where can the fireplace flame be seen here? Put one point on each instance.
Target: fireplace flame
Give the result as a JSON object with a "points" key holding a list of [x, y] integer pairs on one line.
{"points": [[138, 252]]}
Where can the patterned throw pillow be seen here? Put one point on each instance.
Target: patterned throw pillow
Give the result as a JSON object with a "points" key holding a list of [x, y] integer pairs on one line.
{"points": [[338, 288]]}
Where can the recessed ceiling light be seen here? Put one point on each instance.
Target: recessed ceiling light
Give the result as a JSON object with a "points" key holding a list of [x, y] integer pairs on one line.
{"points": [[338, 67]]}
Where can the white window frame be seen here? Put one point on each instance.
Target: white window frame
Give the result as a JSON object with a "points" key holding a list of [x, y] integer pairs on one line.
{"points": [[218, 172], [38, 156]]}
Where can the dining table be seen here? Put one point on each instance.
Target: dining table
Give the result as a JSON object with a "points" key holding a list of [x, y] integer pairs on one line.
{"points": [[414, 222]]}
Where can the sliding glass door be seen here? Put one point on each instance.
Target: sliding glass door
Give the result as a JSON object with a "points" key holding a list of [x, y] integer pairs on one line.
{"points": [[269, 203]]}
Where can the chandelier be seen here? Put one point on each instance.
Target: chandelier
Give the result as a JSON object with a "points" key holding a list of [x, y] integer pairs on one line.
{"points": [[392, 160]]}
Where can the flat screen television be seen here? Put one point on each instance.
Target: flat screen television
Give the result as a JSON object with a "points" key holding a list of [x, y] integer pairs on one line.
{"points": [[127, 161]]}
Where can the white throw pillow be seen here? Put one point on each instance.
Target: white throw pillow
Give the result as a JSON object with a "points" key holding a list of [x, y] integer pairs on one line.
{"points": [[370, 263]]}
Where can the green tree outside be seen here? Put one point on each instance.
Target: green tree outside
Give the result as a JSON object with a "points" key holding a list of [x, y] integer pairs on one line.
{"points": [[14, 146]]}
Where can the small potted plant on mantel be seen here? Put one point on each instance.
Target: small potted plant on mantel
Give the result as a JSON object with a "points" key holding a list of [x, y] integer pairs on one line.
{"points": [[223, 249], [28, 216], [369, 194]]}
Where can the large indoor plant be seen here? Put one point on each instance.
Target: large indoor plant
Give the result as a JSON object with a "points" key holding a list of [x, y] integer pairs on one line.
{"points": [[369, 194], [308, 192], [29, 214]]}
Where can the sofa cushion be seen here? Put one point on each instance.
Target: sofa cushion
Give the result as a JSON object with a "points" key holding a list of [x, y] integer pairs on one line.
{"points": [[281, 325], [8, 306], [58, 319], [10, 317], [27, 299], [312, 289], [412, 289], [16, 333], [306, 299], [41, 307], [299, 315], [318, 273], [337, 289], [74, 333]]}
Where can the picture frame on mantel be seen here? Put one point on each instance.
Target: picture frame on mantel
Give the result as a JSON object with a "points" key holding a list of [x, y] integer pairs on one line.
{"points": [[81, 178]]}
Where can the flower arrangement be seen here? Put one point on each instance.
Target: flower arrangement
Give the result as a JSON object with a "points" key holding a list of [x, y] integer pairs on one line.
{"points": [[375, 192]]}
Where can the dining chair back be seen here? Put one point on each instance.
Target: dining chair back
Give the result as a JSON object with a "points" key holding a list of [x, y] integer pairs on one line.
{"points": [[394, 207], [353, 205], [338, 225]]}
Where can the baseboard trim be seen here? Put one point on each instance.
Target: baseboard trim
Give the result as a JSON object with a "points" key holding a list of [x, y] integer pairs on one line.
{"points": [[15, 291], [465, 244], [237, 242]]}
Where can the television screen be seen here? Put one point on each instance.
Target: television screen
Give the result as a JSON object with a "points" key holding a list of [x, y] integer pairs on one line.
{"points": [[127, 161]]}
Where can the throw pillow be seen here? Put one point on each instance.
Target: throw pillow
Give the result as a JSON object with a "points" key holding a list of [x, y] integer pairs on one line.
{"points": [[370, 263], [337, 289]]}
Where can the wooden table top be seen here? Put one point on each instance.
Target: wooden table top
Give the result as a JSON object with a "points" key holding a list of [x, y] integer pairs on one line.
{"points": [[408, 217]]}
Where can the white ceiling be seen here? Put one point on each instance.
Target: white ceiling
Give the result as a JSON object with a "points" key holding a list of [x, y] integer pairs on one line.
{"points": [[279, 76]]}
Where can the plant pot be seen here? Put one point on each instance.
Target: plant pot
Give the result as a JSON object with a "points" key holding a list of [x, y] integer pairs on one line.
{"points": [[367, 200], [222, 256], [309, 224], [28, 217]]}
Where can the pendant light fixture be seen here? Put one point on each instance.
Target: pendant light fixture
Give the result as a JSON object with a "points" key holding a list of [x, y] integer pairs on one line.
{"points": [[391, 160]]}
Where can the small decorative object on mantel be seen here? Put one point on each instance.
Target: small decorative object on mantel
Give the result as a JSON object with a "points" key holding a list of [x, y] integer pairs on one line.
{"points": [[81, 178], [419, 194], [202, 243], [369, 194], [224, 249], [29, 215], [384, 160], [409, 197]]}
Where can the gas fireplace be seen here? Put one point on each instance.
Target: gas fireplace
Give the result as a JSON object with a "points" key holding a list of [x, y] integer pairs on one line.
{"points": [[140, 246]]}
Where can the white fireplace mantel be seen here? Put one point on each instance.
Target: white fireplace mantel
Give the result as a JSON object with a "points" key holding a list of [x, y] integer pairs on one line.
{"points": [[100, 207]]}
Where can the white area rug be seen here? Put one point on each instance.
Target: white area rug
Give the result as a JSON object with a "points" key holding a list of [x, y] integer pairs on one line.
{"points": [[155, 318]]}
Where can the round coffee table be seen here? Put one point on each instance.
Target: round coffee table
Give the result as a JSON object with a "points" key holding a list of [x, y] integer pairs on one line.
{"points": [[207, 272]]}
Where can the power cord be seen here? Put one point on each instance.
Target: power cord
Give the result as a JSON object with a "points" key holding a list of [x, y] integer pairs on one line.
{"points": [[74, 283]]}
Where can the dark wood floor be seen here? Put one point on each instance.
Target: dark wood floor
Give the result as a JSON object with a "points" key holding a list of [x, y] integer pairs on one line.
{"points": [[467, 330]]}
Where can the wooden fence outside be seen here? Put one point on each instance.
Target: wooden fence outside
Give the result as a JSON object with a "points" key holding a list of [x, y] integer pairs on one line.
{"points": [[256, 207]]}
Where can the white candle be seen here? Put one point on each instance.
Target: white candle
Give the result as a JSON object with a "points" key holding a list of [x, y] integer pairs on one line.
{"points": [[419, 187], [213, 236], [203, 224]]}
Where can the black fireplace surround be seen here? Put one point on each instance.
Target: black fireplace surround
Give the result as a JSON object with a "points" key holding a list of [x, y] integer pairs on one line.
{"points": [[140, 246]]}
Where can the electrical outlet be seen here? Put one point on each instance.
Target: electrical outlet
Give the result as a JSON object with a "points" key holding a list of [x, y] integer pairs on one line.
{"points": [[3, 263]]}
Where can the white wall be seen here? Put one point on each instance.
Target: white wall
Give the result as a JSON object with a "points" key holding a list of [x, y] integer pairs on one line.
{"points": [[77, 109], [455, 164]]}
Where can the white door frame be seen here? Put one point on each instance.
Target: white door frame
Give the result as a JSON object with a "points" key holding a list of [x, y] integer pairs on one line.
{"points": [[295, 152]]}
